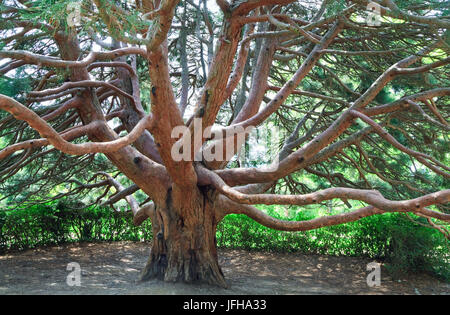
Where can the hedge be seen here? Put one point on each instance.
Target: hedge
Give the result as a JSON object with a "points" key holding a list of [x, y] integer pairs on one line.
{"points": [[404, 245]]}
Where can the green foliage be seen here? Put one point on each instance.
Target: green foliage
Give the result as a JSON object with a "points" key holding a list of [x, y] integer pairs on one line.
{"points": [[335, 7], [402, 244], [414, 249], [405, 246], [14, 86], [52, 224], [53, 11]]}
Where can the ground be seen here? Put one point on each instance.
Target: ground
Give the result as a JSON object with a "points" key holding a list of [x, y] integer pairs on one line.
{"points": [[113, 268]]}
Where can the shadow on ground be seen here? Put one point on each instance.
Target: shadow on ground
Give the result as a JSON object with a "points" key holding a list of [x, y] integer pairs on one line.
{"points": [[113, 268]]}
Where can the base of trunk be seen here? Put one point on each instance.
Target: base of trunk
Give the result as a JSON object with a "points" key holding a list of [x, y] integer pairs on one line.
{"points": [[191, 268], [184, 245]]}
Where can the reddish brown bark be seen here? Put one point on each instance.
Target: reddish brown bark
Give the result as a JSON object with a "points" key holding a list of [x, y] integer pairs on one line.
{"points": [[184, 246], [188, 199]]}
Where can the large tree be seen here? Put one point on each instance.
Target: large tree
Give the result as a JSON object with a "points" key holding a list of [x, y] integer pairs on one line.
{"points": [[360, 88]]}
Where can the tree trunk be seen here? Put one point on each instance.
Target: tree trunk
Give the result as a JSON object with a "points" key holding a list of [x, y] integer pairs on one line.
{"points": [[184, 243]]}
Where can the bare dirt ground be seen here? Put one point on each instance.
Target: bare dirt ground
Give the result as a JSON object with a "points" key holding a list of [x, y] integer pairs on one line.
{"points": [[113, 268]]}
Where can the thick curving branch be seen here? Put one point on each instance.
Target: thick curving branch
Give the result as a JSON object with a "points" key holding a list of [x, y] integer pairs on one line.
{"points": [[21, 112], [283, 225], [134, 205], [371, 197], [42, 60], [301, 157], [79, 84], [68, 135]]}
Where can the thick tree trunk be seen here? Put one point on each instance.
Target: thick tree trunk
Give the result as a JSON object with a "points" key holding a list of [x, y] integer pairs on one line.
{"points": [[184, 244]]}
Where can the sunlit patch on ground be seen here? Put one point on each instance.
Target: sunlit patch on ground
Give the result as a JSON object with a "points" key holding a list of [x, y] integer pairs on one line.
{"points": [[114, 269]]}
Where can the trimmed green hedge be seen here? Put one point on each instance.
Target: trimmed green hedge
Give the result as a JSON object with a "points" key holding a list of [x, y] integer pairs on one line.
{"points": [[404, 245], [44, 225]]}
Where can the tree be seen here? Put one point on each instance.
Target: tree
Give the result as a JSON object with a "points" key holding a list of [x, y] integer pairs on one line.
{"points": [[363, 98]]}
